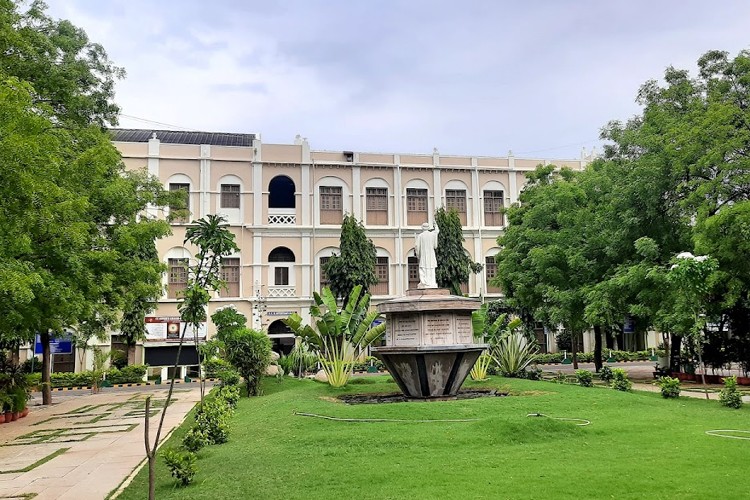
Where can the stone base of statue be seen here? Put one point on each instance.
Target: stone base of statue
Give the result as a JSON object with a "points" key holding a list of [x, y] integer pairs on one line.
{"points": [[430, 347]]}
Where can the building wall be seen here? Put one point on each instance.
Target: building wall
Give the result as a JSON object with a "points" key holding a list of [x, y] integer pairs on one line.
{"points": [[260, 229]]}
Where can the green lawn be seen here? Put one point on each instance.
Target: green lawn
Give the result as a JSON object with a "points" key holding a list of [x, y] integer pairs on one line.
{"points": [[637, 446]]}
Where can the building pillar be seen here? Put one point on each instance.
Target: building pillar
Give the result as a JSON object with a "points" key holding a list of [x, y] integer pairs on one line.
{"points": [[205, 180]]}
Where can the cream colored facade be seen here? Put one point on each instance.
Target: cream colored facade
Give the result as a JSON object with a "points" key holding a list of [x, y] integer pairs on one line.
{"points": [[273, 226]]}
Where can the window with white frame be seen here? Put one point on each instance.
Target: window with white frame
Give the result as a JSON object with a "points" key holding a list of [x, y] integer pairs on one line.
{"points": [[180, 214], [416, 206], [278, 256], [377, 206], [177, 278], [493, 206], [230, 196], [331, 205], [456, 199], [382, 274], [230, 275]]}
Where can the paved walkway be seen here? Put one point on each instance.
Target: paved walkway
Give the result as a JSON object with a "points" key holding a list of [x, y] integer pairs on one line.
{"points": [[83, 447]]}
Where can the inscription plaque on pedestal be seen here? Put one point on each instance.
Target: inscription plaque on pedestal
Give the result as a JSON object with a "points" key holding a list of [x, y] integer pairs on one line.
{"points": [[438, 329], [464, 332], [406, 329]]}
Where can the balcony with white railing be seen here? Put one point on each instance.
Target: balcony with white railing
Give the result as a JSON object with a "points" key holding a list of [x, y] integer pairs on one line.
{"points": [[278, 291], [282, 217]]}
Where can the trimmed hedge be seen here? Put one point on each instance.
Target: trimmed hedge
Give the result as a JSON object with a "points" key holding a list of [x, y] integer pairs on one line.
{"points": [[588, 357], [131, 374]]}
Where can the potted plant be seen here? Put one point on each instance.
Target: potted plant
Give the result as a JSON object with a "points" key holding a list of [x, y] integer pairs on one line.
{"points": [[5, 402]]}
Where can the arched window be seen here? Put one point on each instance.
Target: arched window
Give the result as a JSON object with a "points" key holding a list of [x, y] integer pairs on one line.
{"points": [[281, 254], [281, 192], [280, 272]]}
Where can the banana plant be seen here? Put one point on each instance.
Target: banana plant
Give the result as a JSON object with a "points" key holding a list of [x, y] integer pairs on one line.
{"points": [[338, 336]]}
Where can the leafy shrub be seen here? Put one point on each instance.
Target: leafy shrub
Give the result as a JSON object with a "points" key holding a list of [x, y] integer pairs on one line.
{"points": [[729, 395], [131, 374], [620, 380], [229, 377], [250, 352], [585, 378], [214, 366], [588, 357], [532, 373], [212, 418], [30, 363], [118, 359], [482, 364], [302, 358], [560, 378], [230, 394], [181, 465], [670, 387], [194, 439], [605, 374]]}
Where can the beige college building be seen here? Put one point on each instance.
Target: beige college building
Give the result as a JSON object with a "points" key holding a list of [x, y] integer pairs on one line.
{"points": [[285, 203]]}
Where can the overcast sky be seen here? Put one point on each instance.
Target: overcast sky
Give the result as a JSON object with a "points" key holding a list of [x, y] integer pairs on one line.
{"points": [[475, 77]]}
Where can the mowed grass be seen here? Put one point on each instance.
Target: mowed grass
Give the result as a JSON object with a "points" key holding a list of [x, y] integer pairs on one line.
{"points": [[638, 445]]}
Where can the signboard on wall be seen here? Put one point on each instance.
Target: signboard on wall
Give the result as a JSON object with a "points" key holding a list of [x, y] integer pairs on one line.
{"points": [[169, 328]]}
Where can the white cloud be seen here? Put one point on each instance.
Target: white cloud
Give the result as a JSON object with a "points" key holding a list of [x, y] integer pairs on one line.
{"points": [[479, 78]]}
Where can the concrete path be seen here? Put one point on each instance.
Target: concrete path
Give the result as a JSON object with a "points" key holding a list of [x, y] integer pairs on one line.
{"points": [[83, 447]]}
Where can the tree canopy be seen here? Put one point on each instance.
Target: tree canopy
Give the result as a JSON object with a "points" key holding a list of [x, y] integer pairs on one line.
{"points": [[355, 263], [591, 247]]}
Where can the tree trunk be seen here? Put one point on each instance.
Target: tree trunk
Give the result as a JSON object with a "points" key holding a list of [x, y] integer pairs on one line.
{"points": [[598, 363], [131, 355], [150, 454], [46, 369], [674, 355], [574, 348]]}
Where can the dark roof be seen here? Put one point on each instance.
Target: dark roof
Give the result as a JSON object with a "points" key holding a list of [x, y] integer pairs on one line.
{"points": [[179, 137]]}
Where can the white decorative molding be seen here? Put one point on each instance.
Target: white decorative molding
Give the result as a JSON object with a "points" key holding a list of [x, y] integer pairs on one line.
{"points": [[282, 219], [282, 292]]}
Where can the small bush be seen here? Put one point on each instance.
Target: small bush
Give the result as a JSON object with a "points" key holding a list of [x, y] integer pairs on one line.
{"points": [[620, 380], [560, 378], [250, 352], [670, 387], [212, 418], [729, 395], [585, 378], [181, 465], [230, 394], [605, 374], [229, 377], [214, 366], [531, 373], [194, 439], [131, 374]]}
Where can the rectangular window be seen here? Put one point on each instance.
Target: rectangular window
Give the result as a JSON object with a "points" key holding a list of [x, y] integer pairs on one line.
{"points": [[281, 276], [230, 274], [413, 271], [377, 206], [381, 272], [490, 268], [184, 215], [416, 207], [493, 205], [331, 205], [456, 199], [323, 277], [177, 279], [230, 196]]}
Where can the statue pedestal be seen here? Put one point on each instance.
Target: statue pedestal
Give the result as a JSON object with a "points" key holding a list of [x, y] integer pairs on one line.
{"points": [[430, 347]]}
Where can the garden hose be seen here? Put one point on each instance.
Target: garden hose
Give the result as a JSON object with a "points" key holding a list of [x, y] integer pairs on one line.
{"points": [[582, 421], [377, 420], [716, 433]]}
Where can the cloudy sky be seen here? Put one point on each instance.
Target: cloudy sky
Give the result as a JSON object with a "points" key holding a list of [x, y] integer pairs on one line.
{"points": [[476, 77]]}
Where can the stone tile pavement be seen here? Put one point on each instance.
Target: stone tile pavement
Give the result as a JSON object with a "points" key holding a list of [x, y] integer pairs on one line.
{"points": [[83, 447]]}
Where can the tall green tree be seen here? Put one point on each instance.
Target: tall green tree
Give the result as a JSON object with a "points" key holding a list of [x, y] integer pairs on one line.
{"points": [[454, 263], [355, 264], [214, 241]]}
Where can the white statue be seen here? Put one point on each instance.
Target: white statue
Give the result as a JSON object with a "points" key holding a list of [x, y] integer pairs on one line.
{"points": [[425, 244]]}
